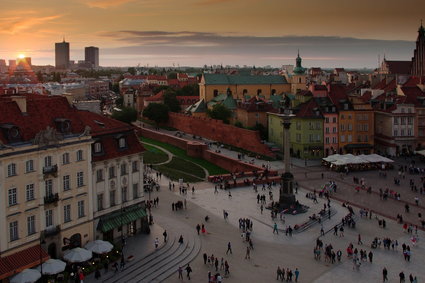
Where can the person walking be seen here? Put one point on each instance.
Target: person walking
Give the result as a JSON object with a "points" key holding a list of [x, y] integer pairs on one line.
{"points": [[165, 236], [384, 275], [402, 277], [205, 258], [297, 274], [188, 271], [275, 229], [198, 228], [278, 273], [180, 271], [229, 248], [359, 240], [248, 252], [156, 243]]}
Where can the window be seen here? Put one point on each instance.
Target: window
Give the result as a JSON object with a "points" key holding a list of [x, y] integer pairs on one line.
{"points": [[349, 117], [342, 117], [342, 127], [47, 161], [49, 218], [124, 194], [350, 127], [311, 138], [135, 191], [100, 202], [11, 170], [135, 166], [365, 127], [334, 140], [395, 133], [402, 132], [327, 130], [334, 120], [112, 198], [409, 132], [342, 138], [310, 126], [349, 138], [97, 147], [66, 183], [327, 120], [366, 138], [111, 172], [30, 192], [80, 179], [31, 225], [410, 120], [395, 120], [334, 130], [65, 158], [99, 175], [318, 126], [81, 212], [13, 231], [359, 138], [298, 137], [29, 166], [123, 169], [48, 185], [121, 143], [67, 213], [13, 196], [298, 124], [327, 140], [403, 120], [79, 155]]}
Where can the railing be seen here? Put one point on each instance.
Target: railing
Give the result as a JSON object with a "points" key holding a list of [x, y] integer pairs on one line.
{"points": [[50, 170], [52, 198]]}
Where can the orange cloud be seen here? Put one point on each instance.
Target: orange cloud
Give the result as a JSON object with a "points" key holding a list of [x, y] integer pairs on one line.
{"points": [[211, 2], [13, 25], [105, 4]]}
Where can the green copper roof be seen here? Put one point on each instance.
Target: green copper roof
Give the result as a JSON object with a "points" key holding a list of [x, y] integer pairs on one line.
{"points": [[226, 100], [222, 79], [198, 107], [119, 218], [299, 70]]}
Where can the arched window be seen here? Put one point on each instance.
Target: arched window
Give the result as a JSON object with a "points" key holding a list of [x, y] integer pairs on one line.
{"points": [[215, 92], [258, 91]]}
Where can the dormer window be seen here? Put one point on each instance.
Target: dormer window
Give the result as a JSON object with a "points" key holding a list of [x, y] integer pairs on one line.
{"points": [[63, 125], [97, 147], [122, 143], [11, 132]]}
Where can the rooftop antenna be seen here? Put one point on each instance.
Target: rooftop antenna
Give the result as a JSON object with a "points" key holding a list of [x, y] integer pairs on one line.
{"points": [[64, 38]]}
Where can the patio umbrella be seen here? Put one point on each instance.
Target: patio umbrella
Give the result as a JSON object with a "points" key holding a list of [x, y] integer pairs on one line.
{"points": [[99, 246], [26, 276], [78, 255], [52, 266]]}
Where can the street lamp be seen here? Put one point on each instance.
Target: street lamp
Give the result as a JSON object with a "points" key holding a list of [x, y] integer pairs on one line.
{"points": [[42, 242]]}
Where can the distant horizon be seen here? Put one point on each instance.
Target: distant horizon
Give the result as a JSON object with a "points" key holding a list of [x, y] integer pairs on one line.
{"points": [[212, 32]]}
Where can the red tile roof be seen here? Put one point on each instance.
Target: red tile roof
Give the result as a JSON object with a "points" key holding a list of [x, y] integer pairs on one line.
{"points": [[157, 97], [308, 110], [15, 263]]}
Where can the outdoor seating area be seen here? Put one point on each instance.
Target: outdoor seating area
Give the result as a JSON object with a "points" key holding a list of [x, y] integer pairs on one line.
{"points": [[349, 162]]}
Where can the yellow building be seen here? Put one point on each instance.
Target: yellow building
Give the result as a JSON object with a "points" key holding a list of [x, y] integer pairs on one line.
{"points": [[241, 87]]}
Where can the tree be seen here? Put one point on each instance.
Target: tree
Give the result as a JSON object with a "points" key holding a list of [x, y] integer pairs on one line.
{"points": [[171, 101], [156, 112], [119, 101], [125, 114], [263, 130], [132, 70], [220, 112]]}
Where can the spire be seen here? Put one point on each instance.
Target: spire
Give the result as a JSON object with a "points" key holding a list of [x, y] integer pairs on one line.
{"points": [[421, 29], [63, 38]]}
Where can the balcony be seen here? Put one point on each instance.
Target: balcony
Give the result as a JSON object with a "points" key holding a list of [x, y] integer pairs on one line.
{"points": [[52, 231], [50, 170], [52, 198]]}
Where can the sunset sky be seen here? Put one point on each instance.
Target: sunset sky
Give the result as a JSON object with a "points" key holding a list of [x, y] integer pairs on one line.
{"points": [[328, 33]]}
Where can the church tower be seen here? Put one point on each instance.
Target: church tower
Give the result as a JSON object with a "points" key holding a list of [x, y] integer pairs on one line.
{"points": [[299, 77], [418, 60]]}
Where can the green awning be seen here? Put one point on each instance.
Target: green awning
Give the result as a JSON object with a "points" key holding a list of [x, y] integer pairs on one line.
{"points": [[358, 145], [119, 218]]}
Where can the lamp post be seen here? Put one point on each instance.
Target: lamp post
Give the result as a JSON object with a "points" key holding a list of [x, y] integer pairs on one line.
{"points": [[42, 241]]}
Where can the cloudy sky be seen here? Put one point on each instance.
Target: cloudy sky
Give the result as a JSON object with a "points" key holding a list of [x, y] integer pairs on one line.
{"points": [[328, 33]]}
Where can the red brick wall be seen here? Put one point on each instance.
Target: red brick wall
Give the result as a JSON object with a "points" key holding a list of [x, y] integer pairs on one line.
{"points": [[197, 149], [218, 131]]}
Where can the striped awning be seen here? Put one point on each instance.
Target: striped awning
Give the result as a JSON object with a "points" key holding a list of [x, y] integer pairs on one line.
{"points": [[119, 218]]}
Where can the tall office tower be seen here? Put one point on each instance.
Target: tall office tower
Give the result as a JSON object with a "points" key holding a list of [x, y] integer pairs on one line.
{"points": [[12, 65], [3, 66], [92, 56], [62, 55]]}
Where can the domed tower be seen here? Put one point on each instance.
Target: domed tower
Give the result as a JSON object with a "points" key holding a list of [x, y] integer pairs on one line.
{"points": [[418, 60], [299, 77]]}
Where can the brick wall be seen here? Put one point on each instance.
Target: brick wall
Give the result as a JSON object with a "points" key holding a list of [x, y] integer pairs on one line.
{"points": [[218, 131]]}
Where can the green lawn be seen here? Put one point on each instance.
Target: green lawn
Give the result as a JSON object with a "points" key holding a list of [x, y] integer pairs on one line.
{"points": [[211, 168], [179, 168], [154, 155]]}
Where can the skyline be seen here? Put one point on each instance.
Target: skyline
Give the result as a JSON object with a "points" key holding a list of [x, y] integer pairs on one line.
{"points": [[198, 32]]}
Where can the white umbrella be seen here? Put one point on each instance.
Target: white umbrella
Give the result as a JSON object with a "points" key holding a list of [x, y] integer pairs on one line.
{"points": [[99, 246], [26, 276], [78, 255], [52, 266]]}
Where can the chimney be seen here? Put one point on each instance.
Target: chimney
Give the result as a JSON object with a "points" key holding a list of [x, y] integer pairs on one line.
{"points": [[21, 101]]}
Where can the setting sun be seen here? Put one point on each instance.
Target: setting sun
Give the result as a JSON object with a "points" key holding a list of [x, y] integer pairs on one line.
{"points": [[21, 56]]}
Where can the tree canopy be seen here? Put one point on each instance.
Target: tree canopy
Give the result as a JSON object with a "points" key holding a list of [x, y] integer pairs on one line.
{"points": [[220, 112], [171, 101], [125, 114], [156, 112]]}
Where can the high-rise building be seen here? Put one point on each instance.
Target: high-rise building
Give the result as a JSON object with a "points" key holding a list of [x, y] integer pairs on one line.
{"points": [[62, 55], [92, 56]]}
